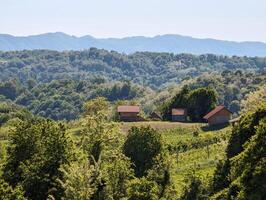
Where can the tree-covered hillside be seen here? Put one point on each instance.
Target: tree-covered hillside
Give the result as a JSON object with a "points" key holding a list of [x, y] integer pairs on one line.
{"points": [[150, 69], [56, 84]]}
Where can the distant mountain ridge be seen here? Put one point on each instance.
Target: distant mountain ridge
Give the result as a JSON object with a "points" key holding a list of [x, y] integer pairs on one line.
{"points": [[163, 43]]}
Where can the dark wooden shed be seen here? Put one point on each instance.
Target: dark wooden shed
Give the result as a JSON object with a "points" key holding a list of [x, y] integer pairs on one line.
{"points": [[179, 114], [128, 113]]}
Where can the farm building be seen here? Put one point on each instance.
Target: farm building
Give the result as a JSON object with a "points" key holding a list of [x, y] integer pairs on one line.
{"points": [[128, 113], [155, 116], [219, 115], [179, 115]]}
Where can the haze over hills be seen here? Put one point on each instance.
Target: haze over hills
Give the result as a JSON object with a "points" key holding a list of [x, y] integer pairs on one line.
{"points": [[164, 43]]}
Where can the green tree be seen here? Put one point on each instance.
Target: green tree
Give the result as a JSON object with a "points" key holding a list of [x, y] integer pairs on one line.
{"points": [[9, 193], [142, 189], [92, 107], [180, 100], [161, 174], [37, 150], [142, 145], [244, 171], [221, 177], [250, 166], [79, 180], [194, 190], [254, 99], [200, 102], [243, 131], [101, 142]]}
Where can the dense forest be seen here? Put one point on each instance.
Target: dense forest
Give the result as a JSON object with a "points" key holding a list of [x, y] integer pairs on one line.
{"points": [[149, 69], [55, 84]]}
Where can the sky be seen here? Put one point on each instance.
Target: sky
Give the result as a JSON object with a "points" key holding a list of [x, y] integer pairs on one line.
{"points": [[235, 20]]}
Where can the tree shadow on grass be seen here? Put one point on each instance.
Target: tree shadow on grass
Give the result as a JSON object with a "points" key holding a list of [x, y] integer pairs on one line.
{"points": [[214, 127]]}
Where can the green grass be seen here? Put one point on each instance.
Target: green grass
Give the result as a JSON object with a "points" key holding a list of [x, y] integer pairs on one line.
{"points": [[194, 150]]}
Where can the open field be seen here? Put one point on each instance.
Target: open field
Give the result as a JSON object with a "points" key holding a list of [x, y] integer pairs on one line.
{"points": [[160, 125]]}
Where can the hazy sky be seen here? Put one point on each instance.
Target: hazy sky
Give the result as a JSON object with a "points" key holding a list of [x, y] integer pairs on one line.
{"points": [[239, 20]]}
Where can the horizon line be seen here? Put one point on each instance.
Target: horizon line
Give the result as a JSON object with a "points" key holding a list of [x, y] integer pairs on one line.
{"points": [[132, 36]]}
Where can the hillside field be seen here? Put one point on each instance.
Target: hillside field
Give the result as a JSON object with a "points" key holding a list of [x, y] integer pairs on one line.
{"points": [[193, 147]]}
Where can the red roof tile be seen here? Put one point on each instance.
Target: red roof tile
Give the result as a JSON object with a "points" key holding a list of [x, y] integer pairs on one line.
{"points": [[179, 111], [128, 109], [214, 111]]}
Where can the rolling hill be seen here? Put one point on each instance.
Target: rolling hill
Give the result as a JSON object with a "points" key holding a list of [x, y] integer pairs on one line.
{"points": [[163, 43]]}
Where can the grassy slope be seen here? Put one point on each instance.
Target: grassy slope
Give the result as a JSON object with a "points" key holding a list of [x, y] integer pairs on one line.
{"points": [[192, 146]]}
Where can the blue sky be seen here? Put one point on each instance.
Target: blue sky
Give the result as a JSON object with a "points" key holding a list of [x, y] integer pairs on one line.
{"points": [[239, 20]]}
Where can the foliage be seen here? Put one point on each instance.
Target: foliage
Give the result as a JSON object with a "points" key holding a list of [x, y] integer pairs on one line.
{"points": [[178, 101], [55, 84], [79, 180], [153, 69], [8, 193], [244, 130], [250, 166], [198, 102], [245, 172], [254, 99], [103, 171], [221, 177], [10, 89], [194, 189], [94, 106], [10, 111], [142, 189], [142, 145], [161, 174], [37, 149]]}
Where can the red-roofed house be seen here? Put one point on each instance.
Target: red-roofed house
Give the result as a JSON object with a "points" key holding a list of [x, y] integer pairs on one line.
{"points": [[128, 113], [179, 115], [219, 115]]}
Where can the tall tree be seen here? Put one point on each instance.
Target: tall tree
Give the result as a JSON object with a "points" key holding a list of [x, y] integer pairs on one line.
{"points": [[200, 102], [37, 150], [142, 145]]}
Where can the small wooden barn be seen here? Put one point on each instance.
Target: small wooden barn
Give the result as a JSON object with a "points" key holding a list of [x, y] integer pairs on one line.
{"points": [[179, 114], [155, 116], [219, 115], [128, 113]]}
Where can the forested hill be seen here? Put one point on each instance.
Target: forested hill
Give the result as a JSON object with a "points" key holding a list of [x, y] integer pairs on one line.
{"points": [[164, 43], [150, 69]]}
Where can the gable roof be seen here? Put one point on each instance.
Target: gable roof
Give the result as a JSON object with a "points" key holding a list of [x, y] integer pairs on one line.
{"points": [[179, 111], [214, 111], [155, 115], [128, 109]]}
